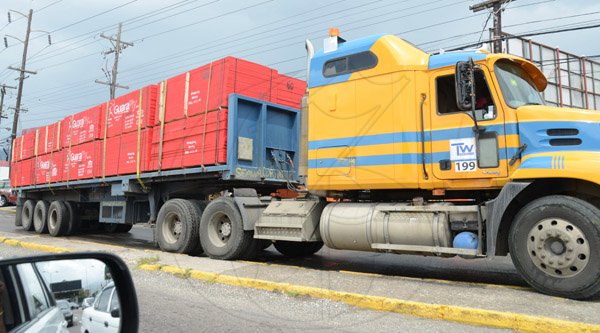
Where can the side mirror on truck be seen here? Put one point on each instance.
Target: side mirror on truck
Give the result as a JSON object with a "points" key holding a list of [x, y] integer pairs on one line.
{"points": [[465, 85], [464, 81]]}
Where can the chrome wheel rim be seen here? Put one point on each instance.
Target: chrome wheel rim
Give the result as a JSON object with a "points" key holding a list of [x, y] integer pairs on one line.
{"points": [[558, 248]]}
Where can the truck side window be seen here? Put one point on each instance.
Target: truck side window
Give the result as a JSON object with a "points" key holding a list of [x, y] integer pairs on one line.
{"points": [[349, 64], [446, 96]]}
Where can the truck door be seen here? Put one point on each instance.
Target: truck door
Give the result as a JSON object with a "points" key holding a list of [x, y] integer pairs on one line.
{"points": [[457, 151]]}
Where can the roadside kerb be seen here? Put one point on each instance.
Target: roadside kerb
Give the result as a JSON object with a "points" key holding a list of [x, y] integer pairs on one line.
{"points": [[472, 316], [455, 313]]}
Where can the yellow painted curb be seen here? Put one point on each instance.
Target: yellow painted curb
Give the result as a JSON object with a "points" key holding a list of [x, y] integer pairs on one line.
{"points": [[472, 316], [33, 246]]}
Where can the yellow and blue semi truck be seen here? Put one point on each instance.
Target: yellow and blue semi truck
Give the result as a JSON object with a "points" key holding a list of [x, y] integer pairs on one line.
{"points": [[452, 154]]}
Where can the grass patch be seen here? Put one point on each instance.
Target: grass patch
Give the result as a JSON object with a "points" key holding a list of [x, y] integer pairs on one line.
{"points": [[148, 261]]}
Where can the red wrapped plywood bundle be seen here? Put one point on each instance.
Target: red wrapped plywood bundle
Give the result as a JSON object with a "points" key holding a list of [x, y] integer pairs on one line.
{"points": [[48, 138], [27, 146], [208, 87], [122, 152], [84, 161], [190, 143], [42, 169], [83, 127], [129, 112], [288, 91], [25, 172]]}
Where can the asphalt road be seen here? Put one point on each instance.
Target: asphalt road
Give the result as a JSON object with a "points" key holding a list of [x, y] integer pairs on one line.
{"points": [[171, 304], [497, 271]]}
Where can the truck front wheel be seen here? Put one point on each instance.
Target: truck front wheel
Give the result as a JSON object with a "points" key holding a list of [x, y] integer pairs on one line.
{"points": [[40, 217], [222, 232], [27, 215], [554, 243], [177, 226]]}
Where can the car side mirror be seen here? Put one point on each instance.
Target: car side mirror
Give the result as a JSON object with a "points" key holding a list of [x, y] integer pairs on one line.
{"points": [[465, 85], [64, 277]]}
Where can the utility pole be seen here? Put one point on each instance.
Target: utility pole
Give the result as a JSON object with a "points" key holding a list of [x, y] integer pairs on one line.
{"points": [[2, 94], [496, 7], [22, 72], [118, 46]]}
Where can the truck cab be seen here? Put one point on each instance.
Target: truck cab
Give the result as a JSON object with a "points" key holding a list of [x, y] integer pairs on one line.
{"points": [[383, 115], [453, 154]]}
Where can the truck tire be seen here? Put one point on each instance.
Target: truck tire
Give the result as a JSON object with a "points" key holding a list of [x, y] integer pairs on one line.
{"points": [[3, 201], [27, 215], [40, 217], [74, 224], [297, 249], [177, 226], [222, 232], [554, 243], [58, 219]]}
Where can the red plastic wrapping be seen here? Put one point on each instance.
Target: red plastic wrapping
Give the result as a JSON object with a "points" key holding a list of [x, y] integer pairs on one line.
{"points": [[123, 111], [288, 91], [84, 161], [185, 146], [208, 87], [122, 153], [49, 138], [83, 127]]}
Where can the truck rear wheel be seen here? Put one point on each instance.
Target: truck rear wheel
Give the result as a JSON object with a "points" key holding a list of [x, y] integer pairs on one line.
{"points": [[297, 249], [177, 226], [74, 223], [27, 215], [40, 217], [58, 219], [555, 244], [222, 232]]}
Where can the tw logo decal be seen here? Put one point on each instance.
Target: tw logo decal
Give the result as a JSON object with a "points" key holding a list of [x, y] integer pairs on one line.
{"points": [[463, 149]]}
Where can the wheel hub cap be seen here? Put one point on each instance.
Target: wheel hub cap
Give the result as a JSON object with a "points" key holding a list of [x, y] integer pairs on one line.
{"points": [[225, 229], [558, 247]]}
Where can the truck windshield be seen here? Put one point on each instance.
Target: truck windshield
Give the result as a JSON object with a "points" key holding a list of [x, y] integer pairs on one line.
{"points": [[516, 85]]}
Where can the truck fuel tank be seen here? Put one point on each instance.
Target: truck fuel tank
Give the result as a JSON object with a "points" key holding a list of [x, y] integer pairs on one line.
{"points": [[390, 226]]}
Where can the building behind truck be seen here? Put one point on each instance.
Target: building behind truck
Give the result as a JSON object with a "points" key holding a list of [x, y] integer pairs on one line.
{"points": [[395, 150]]}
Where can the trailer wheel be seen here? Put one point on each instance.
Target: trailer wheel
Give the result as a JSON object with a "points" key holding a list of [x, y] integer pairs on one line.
{"points": [[297, 249], [177, 226], [555, 244], [74, 223], [40, 217], [27, 215], [58, 219], [222, 232]]}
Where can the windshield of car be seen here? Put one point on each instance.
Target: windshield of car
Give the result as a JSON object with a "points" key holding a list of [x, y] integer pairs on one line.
{"points": [[516, 85], [62, 304]]}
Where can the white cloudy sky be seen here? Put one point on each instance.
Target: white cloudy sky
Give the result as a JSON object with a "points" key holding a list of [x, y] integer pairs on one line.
{"points": [[172, 36]]}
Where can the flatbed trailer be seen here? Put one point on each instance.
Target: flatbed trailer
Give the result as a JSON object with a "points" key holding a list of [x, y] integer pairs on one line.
{"points": [[262, 150]]}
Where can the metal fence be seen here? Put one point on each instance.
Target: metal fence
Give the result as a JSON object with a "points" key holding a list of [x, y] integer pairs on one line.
{"points": [[573, 81]]}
